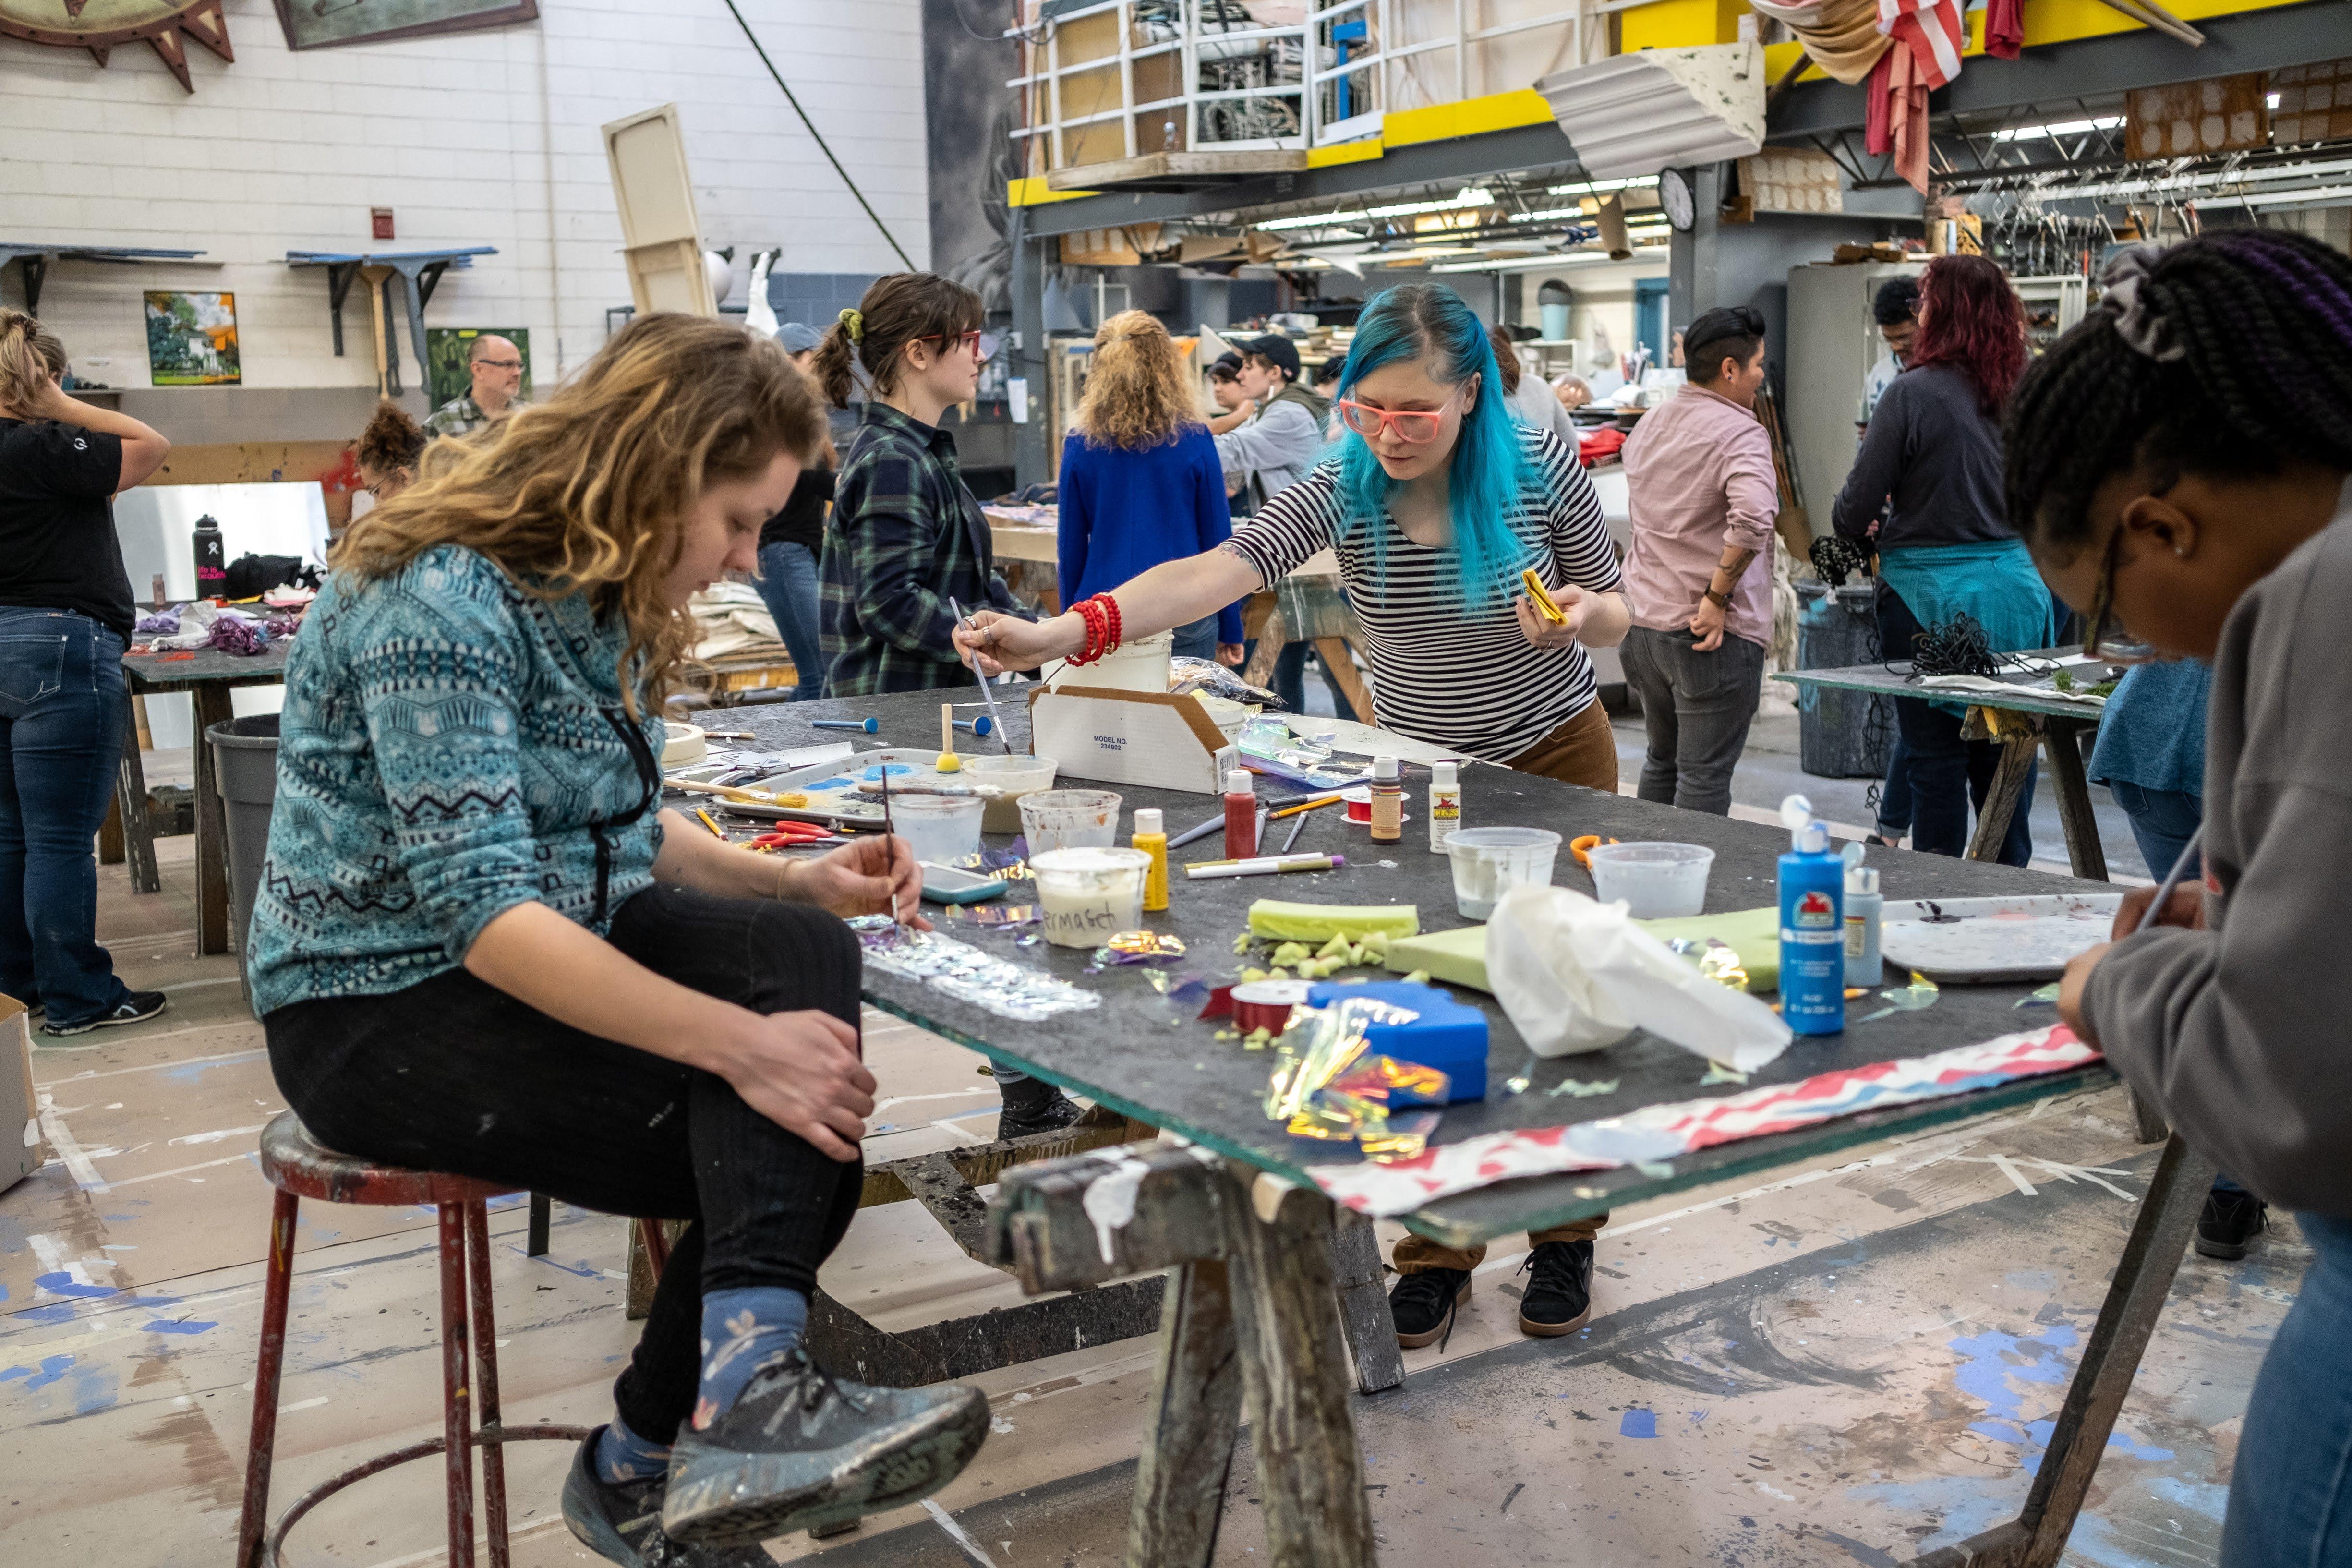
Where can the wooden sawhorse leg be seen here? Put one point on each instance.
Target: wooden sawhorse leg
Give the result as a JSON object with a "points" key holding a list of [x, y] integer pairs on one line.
{"points": [[130, 816], [211, 705]]}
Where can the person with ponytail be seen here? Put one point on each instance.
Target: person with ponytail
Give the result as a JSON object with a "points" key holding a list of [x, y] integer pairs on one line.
{"points": [[1141, 482], [1932, 458], [66, 616], [1435, 505], [907, 535], [2180, 464], [481, 945]]}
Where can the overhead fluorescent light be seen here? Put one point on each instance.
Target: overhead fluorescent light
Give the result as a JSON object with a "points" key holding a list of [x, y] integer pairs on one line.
{"points": [[1472, 197], [1600, 187], [2058, 128], [1547, 263], [2278, 198]]}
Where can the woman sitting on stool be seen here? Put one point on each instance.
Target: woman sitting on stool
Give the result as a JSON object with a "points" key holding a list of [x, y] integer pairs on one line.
{"points": [[480, 947]]}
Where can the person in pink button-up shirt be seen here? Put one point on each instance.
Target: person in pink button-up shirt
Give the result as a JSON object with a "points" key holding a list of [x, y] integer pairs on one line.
{"points": [[1698, 579]]}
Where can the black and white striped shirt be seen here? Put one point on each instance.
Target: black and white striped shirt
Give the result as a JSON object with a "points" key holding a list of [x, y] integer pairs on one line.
{"points": [[1444, 673]]}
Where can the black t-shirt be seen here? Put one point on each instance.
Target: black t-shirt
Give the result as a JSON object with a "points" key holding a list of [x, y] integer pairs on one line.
{"points": [[802, 520], [57, 546]]}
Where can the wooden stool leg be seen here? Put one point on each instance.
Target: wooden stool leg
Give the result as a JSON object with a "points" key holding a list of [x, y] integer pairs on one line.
{"points": [[456, 1425], [1188, 1425], [486, 1379], [1364, 1315], [275, 1286]]}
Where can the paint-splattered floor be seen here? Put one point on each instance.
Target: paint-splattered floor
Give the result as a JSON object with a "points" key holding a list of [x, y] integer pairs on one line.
{"points": [[1848, 1363]]}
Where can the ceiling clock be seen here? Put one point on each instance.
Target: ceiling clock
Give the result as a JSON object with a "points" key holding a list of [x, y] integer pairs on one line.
{"points": [[98, 25]]}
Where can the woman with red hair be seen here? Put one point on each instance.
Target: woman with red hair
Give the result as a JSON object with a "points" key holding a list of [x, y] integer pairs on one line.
{"points": [[1927, 489]]}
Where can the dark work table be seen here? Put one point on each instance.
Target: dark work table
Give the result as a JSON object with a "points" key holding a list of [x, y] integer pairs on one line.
{"points": [[1136, 1054]]}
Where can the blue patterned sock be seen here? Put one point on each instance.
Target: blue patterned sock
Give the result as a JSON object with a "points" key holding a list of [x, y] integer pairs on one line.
{"points": [[742, 1330], [622, 1456]]}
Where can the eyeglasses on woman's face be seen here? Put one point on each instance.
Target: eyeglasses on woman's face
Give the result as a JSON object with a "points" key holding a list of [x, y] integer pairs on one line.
{"points": [[2105, 636], [1417, 426], [949, 341]]}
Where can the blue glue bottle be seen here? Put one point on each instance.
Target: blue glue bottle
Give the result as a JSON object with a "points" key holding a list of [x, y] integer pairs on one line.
{"points": [[1813, 925]]}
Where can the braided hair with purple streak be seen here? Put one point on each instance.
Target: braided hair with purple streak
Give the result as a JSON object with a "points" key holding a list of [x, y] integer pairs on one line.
{"points": [[2228, 355]]}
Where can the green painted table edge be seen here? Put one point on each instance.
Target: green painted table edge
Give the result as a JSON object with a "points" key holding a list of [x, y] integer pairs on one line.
{"points": [[1879, 682]]}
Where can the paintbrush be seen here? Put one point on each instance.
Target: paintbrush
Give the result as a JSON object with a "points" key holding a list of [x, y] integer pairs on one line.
{"points": [[1297, 827], [728, 791], [994, 718]]}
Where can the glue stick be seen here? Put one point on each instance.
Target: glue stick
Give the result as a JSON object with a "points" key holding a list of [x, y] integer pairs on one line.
{"points": [[1152, 837]]}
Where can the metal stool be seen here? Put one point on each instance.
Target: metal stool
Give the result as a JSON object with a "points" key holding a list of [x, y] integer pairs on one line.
{"points": [[300, 1167]]}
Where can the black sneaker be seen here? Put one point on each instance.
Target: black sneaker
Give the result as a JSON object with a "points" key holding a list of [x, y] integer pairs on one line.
{"points": [[1032, 1105], [1558, 1298], [135, 1008], [1423, 1304], [801, 1450], [621, 1520], [2231, 1220]]}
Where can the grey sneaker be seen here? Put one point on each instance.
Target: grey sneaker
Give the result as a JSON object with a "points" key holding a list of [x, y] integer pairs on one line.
{"points": [[800, 1450], [621, 1520]]}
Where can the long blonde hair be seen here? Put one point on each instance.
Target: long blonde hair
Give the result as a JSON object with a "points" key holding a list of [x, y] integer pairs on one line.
{"points": [[30, 358], [588, 491], [1135, 397]]}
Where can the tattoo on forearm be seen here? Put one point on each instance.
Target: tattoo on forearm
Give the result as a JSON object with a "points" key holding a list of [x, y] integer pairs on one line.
{"points": [[1238, 553], [1737, 567]]}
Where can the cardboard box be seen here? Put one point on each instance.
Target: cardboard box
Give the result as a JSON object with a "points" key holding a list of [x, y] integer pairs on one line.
{"points": [[20, 1125], [1146, 738]]}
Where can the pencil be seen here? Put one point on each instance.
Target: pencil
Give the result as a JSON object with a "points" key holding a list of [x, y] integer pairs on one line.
{"points": [[1282, 811], [716, 831]]}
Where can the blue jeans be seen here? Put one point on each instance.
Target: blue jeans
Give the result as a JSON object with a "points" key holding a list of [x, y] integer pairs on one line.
{"points": [[787, 580], [1289, 681], [1198, 640], [62, 702], [1947, 772], [2291, 1492], [1895, 796], [2162, 821]]}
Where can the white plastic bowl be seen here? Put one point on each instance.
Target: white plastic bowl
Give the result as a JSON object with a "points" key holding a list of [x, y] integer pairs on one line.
{"points": [[1490, 861], [1657, 881]]}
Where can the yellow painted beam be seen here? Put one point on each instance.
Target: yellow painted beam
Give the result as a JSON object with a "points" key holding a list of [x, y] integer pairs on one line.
{"points": [[1345, 153], [2046, 22], [1466, 117], [1032, 192]]}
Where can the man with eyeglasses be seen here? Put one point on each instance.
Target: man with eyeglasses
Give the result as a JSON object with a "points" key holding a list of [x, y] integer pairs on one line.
{"points": [[496, 364]]}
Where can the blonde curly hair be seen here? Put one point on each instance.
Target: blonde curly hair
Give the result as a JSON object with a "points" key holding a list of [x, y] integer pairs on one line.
{"points": [[1135, 395], [588, 491]]}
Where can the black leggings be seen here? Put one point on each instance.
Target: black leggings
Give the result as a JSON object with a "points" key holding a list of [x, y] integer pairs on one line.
{"points": [[454, 1074]]}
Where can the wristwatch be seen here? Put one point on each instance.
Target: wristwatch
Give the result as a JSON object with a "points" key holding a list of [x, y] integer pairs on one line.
{"points": [[1721, 601]]}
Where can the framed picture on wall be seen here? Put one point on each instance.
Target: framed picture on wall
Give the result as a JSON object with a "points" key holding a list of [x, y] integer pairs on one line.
{"points": [[191, 339], [449, 351], [324, 23]]}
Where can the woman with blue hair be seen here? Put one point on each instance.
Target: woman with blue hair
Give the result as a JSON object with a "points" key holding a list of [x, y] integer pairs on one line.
{"points": [[1434, 504]]}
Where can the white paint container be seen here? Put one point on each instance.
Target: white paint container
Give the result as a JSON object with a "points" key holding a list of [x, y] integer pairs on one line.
{"points": [[1069, 819], [1087, 896]]}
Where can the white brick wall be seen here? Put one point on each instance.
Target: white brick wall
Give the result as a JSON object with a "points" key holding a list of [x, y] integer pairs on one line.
{"points": [[486, 138]]}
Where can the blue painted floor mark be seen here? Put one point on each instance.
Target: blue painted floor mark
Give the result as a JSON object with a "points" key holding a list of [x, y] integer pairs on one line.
{"points": [[184, 1326], [1638, 1423]]}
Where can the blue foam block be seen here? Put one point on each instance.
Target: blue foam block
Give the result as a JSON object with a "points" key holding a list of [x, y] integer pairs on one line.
{"points": [[1447, 1034]]}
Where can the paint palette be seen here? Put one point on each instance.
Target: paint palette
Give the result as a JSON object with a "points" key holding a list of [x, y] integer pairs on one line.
{"points": [[832, 786], [1980, 941]]}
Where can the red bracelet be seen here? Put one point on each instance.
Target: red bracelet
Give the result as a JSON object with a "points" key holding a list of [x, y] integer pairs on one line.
{"points": [[1110, 610], [1098, 638]]}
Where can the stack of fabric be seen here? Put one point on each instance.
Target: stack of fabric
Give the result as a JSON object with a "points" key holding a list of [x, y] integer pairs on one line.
{"points": [[1902, 51], [730, 620]]}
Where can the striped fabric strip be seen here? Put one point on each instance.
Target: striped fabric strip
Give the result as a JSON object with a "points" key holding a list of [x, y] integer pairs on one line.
{"points": [[1454, 677], [1934, 30]]}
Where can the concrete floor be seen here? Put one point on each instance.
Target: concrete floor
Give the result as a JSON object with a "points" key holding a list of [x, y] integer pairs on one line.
{"points": [[1848, 1362]]}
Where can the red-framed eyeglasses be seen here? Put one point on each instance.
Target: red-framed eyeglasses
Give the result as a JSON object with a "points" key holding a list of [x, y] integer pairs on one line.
{"points": [[1419, 426], [950, 340]]}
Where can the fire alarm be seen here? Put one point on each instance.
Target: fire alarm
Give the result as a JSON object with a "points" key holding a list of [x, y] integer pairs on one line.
{"points": [[379, 220]]}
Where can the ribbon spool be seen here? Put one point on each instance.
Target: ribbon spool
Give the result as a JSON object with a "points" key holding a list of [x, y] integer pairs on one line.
{"points": [[1266, 1004]]}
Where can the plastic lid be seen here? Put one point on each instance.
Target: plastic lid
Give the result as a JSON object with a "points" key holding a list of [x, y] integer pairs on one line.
{"points": [[1812, 838], [1444, 775], [1860, 878], [1385, 769], [1238, 782], [1147, 820]]}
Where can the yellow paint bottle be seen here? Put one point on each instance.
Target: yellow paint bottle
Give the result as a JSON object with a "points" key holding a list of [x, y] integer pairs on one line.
{"points": [[1152, 837]]}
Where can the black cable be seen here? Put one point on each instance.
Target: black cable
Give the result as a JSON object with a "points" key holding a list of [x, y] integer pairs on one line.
{"points": [[819, 137]]}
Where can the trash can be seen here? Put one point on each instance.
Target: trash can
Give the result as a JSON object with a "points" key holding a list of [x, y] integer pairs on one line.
{"points": [[1840, 734], [244, 760]]}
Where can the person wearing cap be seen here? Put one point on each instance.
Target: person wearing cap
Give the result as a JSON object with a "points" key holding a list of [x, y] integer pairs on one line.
{"points": [[1702, 497], [1276, 447], [800, 340]]}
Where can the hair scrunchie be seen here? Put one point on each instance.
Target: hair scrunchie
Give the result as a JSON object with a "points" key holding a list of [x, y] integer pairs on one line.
{"points": [[853, 322], [2136, 319]]}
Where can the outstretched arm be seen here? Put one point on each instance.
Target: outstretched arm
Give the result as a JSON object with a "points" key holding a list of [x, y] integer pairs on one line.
{"points": [[1174, 593]]}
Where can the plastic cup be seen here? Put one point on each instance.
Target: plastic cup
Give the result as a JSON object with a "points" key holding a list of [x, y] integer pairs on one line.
{"points": [[1016, 776], [1490, 861], [1069, 819], [1089, 895], [1657, 881], [941, 828]]}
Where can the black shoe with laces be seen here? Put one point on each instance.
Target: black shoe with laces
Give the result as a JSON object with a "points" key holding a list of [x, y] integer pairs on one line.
{"points": [[1032, 1105], [621, 1520], [135, 1008], [800, 1450], [2231, 1220], [1423, 1304], [1558, 1299]]}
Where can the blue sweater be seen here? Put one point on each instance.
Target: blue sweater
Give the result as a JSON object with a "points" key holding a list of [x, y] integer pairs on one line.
{"points": [[450, 747], [1125, 512]]}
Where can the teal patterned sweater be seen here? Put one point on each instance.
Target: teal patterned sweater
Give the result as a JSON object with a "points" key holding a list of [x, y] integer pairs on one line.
{"points": [[450, 747]]}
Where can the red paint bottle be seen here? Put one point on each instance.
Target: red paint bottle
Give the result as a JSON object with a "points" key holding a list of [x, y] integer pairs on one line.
{"points": [[1241, 814]]}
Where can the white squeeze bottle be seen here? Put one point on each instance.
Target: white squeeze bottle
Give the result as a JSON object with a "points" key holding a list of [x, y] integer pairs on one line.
{"points": [[1445, 803], [1865, 910]]}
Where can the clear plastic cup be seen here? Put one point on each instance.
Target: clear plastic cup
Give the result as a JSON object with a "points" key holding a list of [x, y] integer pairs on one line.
{"points": [[1069, 819], [1490, 861], [1657, 881], [942, 828], [1087, 896], [1016, 776]]}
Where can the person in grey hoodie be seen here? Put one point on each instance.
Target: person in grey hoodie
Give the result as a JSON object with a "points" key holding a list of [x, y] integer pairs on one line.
{"points": [[2178, 464]]}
